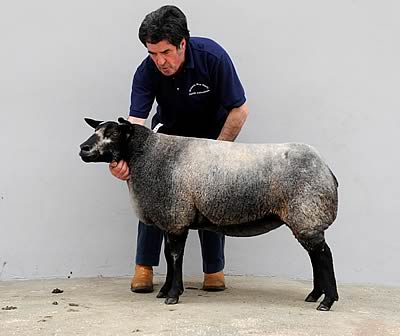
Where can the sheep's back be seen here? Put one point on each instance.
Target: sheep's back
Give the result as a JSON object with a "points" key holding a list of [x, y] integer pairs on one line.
{"points": [[233, 183]]}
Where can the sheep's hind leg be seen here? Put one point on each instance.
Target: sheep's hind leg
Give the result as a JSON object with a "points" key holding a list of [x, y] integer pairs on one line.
{"points": [[324, 275], [174, 249], [318, 290]]}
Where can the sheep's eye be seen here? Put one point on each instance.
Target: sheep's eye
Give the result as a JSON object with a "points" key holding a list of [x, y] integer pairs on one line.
{"points": [[110, 134]]}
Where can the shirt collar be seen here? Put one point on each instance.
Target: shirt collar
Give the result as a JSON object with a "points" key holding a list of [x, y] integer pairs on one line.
{"points": [[189, 61]]}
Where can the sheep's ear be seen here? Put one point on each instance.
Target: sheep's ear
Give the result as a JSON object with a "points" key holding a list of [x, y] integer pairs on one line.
{"points": [[93, 123], [126, 127], [123, 121]]}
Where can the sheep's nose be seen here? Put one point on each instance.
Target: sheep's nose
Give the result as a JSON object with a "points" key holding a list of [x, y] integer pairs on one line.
{"points": [[85, 148]]}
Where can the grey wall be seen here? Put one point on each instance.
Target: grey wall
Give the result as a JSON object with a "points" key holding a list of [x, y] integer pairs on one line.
{"points": [[320, 72]]}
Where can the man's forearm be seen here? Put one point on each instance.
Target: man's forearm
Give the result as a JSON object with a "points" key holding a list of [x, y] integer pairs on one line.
{"points": [[234, 123], [135, 120]]}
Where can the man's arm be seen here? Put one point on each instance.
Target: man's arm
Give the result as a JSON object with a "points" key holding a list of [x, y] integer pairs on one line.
{"points": [[134, 120], [120, 169], [234, 123]]}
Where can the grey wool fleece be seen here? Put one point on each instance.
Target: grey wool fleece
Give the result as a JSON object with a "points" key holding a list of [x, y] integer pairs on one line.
{"points": [[238, 189]]}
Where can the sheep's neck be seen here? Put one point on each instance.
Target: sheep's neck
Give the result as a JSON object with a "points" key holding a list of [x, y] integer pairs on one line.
{"points": [[136, 142]]}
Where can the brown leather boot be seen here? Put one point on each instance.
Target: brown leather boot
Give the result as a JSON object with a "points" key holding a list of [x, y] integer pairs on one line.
{"points": [[214, 282], [142, 281]]}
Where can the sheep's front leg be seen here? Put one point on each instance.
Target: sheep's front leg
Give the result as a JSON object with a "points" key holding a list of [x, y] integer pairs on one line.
{"points": [[174, 249], [170, 269]]}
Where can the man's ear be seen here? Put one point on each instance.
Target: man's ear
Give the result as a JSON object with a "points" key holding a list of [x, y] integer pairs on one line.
{"points": [[93, 123], [182, 45]]}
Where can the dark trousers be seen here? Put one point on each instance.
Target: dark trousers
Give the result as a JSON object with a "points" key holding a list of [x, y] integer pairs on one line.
{"points": [[149, 240]]}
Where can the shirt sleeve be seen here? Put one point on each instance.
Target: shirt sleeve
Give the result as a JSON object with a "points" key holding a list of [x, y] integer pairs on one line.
{"points": [[228, 85], [143, 93]]}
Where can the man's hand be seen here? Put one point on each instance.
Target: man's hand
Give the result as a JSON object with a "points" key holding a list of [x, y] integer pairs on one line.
{"points": [[119, 170]]}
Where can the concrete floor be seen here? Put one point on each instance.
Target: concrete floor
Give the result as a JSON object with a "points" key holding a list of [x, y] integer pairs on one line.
{"points": [[250, 306]]}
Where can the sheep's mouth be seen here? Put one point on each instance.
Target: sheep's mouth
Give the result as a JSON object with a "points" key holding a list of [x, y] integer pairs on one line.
{"points": [[86, 157], [97, 157]]}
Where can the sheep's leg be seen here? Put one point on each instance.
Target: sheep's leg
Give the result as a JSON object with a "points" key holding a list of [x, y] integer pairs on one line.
{"points": [[170, 269], [173, 287], [324, 275], [328, 278], [317, 279]]}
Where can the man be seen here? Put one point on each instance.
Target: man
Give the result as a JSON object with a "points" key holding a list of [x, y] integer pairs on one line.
{"points": [[199, 94]]}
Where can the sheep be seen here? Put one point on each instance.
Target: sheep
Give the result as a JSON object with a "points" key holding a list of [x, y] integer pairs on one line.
{"points": [[181, 183]]}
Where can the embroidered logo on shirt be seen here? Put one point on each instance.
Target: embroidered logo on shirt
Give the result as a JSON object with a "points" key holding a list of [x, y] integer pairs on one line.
{"points": [[198, 88]]}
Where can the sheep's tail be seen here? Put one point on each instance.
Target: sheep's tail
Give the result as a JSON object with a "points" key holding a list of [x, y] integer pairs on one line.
{"points": [[334, 178]]}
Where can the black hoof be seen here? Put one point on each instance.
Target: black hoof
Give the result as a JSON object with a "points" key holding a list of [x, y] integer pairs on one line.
{"points": [[163, 292], [313, 296], [161, 295], [323, 307], [326, 304], [171, 300]]}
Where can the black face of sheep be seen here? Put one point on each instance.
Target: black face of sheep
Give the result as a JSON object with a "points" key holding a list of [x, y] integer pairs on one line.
{"points": [[106, 144]]}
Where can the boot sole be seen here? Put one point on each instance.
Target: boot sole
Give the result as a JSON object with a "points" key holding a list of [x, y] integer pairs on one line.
{"points": [[142, 289], [214, 288]]}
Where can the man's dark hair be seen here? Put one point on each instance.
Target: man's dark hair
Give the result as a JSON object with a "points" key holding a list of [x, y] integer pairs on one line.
{"points": [[166, 23]]}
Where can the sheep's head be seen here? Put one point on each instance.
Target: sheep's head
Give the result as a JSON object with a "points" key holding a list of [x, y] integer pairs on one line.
{"points": [[107, 142]]}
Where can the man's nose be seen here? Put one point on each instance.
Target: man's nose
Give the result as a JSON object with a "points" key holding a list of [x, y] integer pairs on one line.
{"points": [[160, 60]]}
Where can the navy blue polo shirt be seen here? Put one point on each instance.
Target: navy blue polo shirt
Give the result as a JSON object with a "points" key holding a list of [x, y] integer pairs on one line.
{"points": [[196, 100]]}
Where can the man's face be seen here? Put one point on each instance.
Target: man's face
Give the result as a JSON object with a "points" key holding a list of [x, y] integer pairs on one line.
{"points": [[168, 58]]}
